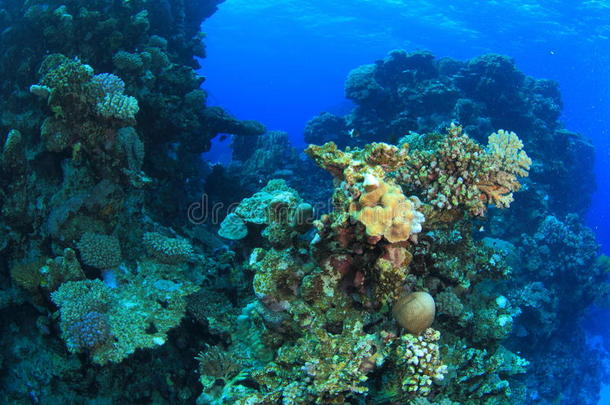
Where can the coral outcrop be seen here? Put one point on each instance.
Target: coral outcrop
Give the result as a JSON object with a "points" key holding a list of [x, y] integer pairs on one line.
{"points": [[415, 92], [277, 210]]}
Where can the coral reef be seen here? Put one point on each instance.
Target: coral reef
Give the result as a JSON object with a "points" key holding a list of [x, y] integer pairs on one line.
{"points": [[322, 329], [96, 96], [406, 95], [112, 289]]}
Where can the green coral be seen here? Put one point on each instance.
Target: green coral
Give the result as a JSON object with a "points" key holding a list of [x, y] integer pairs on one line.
{"points": [[167, 250], [100, 251], [140, 311]]}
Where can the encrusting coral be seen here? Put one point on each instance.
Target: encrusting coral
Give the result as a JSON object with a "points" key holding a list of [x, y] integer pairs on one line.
{"points": [[111, 322]]}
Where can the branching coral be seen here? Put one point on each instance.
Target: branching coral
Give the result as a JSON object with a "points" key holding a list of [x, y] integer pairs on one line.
{"points": [[100, 251], [418, 363], [167, 250], [214, 365], [457, 172]]}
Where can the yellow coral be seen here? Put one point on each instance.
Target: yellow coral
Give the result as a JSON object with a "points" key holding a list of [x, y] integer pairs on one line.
{"points": [[507, 160], [506, 148], [385, 211]]}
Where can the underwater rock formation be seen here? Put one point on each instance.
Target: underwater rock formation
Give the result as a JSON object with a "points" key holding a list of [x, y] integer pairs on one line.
{"points": [[95, 97], [408, 94], [256, 160], [146, 49]]}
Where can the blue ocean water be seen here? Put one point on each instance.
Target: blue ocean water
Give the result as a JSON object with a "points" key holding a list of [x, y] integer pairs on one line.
{"points": [[282, 62]]}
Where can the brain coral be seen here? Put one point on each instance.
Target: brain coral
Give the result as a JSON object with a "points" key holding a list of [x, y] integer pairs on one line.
{"points": [[415, 312]]}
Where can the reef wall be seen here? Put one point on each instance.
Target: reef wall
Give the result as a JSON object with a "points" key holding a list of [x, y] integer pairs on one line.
{"points": [[102, 125]]}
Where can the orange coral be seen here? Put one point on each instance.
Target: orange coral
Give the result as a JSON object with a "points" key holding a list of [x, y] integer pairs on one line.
{"points": [[385, 211]]}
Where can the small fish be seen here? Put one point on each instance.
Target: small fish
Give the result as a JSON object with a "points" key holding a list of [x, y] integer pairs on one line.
{"points": [[482, 229], [353, 133]]}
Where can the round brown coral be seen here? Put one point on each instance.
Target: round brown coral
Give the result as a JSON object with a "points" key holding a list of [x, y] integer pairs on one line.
{"points": [[415, 312]]}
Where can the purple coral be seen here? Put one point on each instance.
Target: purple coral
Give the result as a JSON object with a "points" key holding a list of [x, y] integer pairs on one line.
{"points": [[88, 332]]}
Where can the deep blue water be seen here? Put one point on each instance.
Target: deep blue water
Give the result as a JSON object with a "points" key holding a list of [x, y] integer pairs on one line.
{"points": [[282, 62]]}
